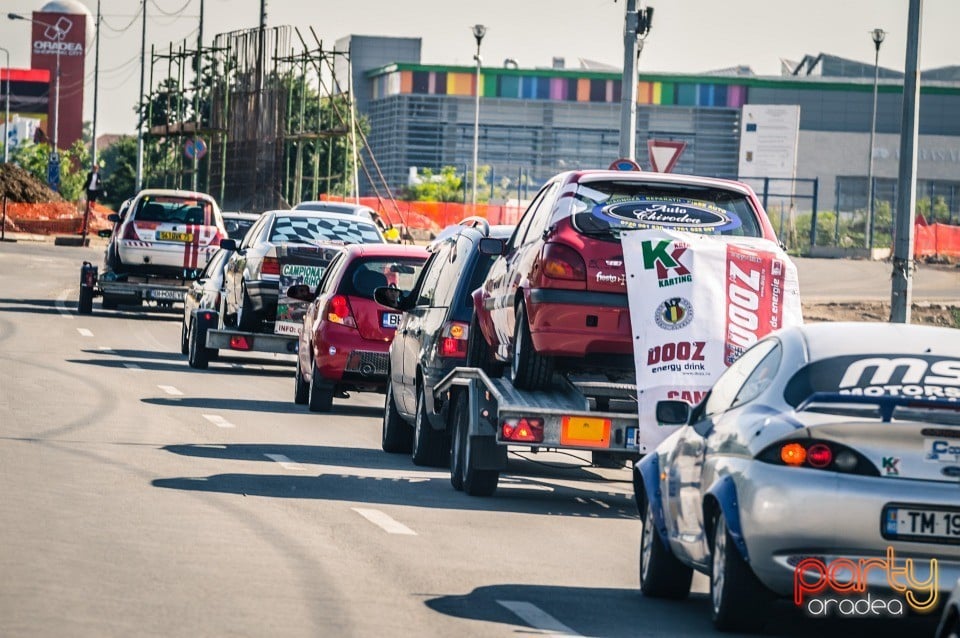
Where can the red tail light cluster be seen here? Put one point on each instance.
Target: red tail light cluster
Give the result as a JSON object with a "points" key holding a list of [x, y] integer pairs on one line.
{"points": [[130, 232], [338, 311], [522, 430], [562, 262], [453, 340], [240, 342], [270, 266], [819, 455]]}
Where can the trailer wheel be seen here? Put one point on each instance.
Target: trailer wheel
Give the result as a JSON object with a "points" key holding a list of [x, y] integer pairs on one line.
{"points": [[430, 446], [528, 369], [198, 355], [85, 301], [475, 482], [456, 445], [184, 338], [301, 391], [396, 436], [319, 394]]}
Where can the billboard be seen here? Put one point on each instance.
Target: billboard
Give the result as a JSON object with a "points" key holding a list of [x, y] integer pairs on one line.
{"points": [[769, 135], [63, 36]]}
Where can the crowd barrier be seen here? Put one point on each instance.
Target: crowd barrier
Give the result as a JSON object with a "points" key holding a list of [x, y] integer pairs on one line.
{"points": [[433, 216], [936, 240]]}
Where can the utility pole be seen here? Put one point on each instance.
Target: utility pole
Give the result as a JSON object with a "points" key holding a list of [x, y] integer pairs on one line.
{"points": [[635, 29], [96, 84], [902, 290], [140, 113], [6, 114], [196, 100], [257, 97], [877, 36]]}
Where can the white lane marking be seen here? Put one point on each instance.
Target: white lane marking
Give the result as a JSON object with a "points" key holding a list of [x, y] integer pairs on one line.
{"points": [[383, 521], [105, 349], [533, 488], [600, 503], [417, 476], [285, 462], [169, 389], [133, 366], [84, 332], [537, 618], [62, 304], [218, 421]]}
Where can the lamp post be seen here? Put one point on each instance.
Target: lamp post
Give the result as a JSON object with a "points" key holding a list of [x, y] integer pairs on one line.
{"points": [[877, 35], [478, 32], [6, 111]]}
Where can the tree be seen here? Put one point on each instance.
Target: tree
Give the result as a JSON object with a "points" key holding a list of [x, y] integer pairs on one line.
{"points": [[74, 163], [119, 162]]}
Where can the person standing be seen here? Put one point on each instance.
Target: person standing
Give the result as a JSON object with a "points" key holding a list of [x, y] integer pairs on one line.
{"points": [[93, 185]]}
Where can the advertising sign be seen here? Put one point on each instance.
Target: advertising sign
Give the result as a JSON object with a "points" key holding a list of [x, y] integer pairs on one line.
{"points": [[769, 135], [63, 36], [696, 303]]}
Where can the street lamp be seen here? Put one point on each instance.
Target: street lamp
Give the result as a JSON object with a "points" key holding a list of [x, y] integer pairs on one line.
{"points": [[6, 114], [478, 32], [877, 35]]}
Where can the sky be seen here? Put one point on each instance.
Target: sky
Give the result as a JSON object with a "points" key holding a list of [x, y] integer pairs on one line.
{"points": [[688, 36]]}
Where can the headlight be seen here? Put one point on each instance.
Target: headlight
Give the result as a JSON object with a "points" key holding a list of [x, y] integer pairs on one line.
{"points": [[818, 455]]}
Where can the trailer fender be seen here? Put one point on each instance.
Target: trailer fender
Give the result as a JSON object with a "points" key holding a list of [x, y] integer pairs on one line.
{"points": [[203, 320], [488, 454]]}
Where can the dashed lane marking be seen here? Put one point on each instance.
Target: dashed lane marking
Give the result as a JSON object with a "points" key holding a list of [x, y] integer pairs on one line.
{"points": [[285, 462], [84, 332], [218, 421], [600, 503], [133, 366], [169, 389], [384, 522], [537, 618], [62, 304]]}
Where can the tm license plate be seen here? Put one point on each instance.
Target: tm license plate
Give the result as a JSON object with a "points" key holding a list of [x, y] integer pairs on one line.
{"points": [[166, 235], [390, 319], [922, 524], [167, 295], [585, 431]]}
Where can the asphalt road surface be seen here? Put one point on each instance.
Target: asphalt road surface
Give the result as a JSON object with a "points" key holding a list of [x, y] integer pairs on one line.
{"points": [[139, 497]]}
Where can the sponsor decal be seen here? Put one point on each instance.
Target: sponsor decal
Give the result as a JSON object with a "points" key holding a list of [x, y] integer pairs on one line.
{"points": [[674, 313], [941, 450], [683, 356], [664, 256], [754, 291], [308, 275], [290, 312], [891, 465], [675, 213], [911, 376], [288, 328], [838, 588], [693, 397]]}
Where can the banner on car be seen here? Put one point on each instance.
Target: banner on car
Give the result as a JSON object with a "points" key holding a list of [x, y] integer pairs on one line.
{"points": [[299, 265], [696, 303]]}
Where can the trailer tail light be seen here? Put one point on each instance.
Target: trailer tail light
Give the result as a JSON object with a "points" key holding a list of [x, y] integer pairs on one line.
{"points": [[453, 340], [208, 316], [562, 262], [270, 266], [338, 311], [522, 430], [240, 342]]}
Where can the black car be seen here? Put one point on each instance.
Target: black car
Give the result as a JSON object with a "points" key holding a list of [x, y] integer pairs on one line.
{"points": [[432, 339]]}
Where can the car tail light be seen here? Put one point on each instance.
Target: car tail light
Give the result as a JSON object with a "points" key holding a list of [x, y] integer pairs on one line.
{"points": [[338, 311], [818, 455], [523, 430], [240, 342], [270, 266], [453, 340], [130, 232], [562, 262]]}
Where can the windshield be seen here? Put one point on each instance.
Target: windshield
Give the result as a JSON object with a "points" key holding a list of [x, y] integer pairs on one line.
{"points": [[367, 275], [305, 230], [608, 207]]}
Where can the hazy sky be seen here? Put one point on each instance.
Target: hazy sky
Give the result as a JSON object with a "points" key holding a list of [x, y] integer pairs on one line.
{"points": [[688, 36]]}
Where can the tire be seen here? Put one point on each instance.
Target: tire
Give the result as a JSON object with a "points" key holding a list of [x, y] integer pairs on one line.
{"points": [[529, 370], [474, 481], [248, 320], [198, 355], [661, 574], [184, 340], [319, 394], [737, 598], [85, 301], [478, 351], [456, 444], [396, 435], [430, 447], [301, 390]]}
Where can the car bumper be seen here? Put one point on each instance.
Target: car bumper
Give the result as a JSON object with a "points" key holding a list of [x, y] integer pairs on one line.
{"points": [[344, 357], [180, 257], [576, 323], [788, 514]]}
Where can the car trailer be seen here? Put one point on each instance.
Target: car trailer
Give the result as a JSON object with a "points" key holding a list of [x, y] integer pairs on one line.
{"points": [[133, 290]]}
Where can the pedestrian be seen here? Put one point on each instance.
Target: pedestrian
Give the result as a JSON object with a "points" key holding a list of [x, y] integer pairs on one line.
{"points": [[93, 185]]}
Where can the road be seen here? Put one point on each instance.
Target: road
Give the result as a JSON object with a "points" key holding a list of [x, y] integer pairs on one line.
{"points": [[141, 497]]}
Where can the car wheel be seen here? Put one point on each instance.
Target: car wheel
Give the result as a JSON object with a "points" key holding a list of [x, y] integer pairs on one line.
{"points": [[737, 598], [529, 370], [198, 355], [478, 351], [85, 301], [184, 338], [320, 393], [396, 436], [661, 574], [301, 390], [248, 320], [473, 481], [430, 446]]}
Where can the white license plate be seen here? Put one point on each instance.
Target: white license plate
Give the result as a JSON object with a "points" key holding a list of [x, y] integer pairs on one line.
{"points": [[390, 319], [922, 524], [167, 295]]}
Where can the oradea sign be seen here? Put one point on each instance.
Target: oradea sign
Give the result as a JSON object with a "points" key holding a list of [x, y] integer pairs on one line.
{"points": [[63, 36], [61, 33]]}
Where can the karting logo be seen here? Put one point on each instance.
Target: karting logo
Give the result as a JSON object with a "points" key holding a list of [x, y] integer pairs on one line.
{"points": [[657, 255]]}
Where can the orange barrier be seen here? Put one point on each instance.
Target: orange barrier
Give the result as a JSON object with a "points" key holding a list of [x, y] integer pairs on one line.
{"points": [[936, 240], [433, 216], [54, 218]]}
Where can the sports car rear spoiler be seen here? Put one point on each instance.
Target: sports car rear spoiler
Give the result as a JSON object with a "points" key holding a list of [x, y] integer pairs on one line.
{"points": [[887, 404]]}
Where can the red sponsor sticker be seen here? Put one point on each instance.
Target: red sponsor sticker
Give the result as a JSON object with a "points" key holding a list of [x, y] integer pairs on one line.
{"points": [[754, 298]]}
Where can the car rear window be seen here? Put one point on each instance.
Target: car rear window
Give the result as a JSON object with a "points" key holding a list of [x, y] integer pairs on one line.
{"points": [[604, 208], [366, 275], [311, 229], [174, 210]]}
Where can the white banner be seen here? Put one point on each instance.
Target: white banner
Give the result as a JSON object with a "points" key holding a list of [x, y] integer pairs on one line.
{"points": [[696, 303]]}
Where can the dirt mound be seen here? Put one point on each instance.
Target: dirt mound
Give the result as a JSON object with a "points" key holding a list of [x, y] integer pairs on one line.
{"points": [[936, 314], [20, 186]]}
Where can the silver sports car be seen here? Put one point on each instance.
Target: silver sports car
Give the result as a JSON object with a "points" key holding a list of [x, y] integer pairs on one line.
{"points": [[824, 466]]}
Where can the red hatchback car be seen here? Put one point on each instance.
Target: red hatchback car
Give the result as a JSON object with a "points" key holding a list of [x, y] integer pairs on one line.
{"points": [[346, 336], [556, 298]]}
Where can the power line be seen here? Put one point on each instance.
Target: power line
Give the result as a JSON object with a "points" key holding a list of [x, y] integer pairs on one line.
{"points": [[133, 19], [174, 13]]}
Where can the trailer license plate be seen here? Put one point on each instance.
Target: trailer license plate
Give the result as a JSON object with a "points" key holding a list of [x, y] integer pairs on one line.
{"points": [[390, 319], [922, 524], [167, 295], [166, 235], [585, 431]]}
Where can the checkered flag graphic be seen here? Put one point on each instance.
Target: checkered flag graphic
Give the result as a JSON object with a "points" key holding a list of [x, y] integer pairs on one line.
{"points": [[303, 230]]}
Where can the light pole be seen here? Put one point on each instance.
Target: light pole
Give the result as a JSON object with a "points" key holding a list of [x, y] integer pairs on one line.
{"points": [[478, 32], [6, 112], [877, 35]]}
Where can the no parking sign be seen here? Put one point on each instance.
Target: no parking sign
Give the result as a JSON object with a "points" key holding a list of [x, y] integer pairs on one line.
{"points": [[195, 148]]}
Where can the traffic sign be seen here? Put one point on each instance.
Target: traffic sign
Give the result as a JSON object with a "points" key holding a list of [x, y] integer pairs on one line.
{"points": [[624, 164], [664, 154], [53, 171], [195, 148]]}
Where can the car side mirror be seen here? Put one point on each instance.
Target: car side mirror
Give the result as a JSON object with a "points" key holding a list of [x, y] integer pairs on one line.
{"points": [[303, 292], [228, 244], [673, 412], [231, 226], [491, 246], [389, 297], [104, 233], [113, 217]]}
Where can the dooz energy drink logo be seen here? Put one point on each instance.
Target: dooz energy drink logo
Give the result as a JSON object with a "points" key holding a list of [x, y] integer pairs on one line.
{"points": [[839, 588], [665, 256]]}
